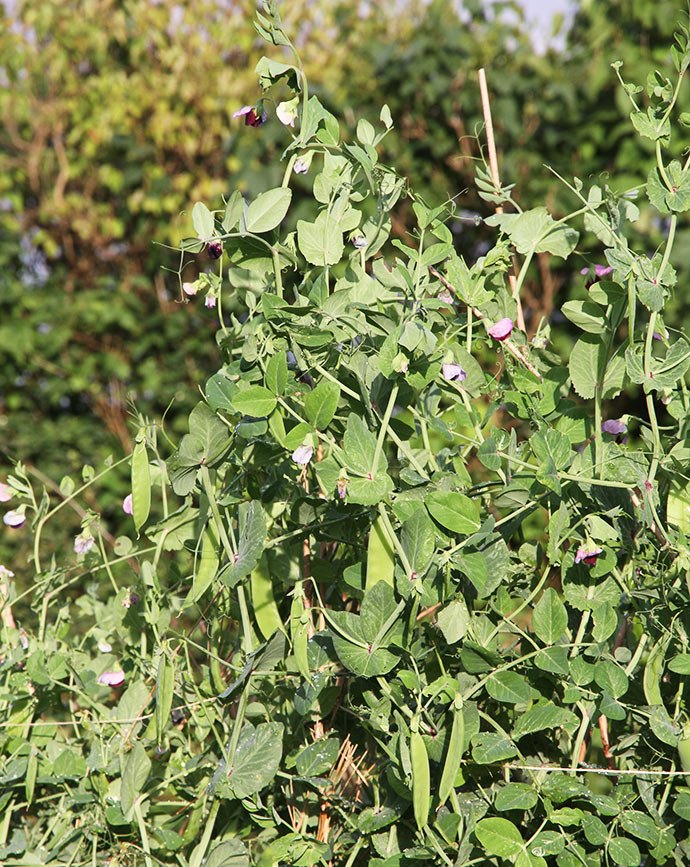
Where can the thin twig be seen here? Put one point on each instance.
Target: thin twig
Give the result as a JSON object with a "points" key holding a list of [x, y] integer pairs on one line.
{"points": [[509, 345], [493, 166]]}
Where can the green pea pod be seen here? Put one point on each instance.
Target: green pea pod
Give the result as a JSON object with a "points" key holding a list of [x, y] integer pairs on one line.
{"points": [[214, 663], [191, 832], [454, 754], [653, 672], [165, 687], [684, 749], [207, 564], [30, 779], [299, 632], [380, 556], [141, 485], [421, 780], [266, 612]]}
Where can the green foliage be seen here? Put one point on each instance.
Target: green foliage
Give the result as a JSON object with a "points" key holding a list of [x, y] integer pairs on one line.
{"points": [[403, 592]]}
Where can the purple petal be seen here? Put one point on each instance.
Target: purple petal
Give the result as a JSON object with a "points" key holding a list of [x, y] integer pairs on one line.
{"points": [[602, 270], [112, 678], [587, 555], [614, 426], [453, 372], [127, 507], [501, 329], [210, 301], [584, 270], [244, 110]]}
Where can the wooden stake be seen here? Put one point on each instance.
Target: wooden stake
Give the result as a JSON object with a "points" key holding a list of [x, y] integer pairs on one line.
{"points": [[493, 167]]}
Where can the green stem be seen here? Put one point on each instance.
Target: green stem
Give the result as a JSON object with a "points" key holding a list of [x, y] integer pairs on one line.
{"points": [[586, 707], [584, 620], [632, 306], [384, 428], [143, 833], [598, 440], [469, 328], [288, 171], [276, 271], [72, 496]]}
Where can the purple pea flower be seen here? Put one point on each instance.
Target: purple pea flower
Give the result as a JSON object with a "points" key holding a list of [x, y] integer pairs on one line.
{"points": [[359, 241], [14, 519], [5, 572], [5, 492], [587, 554], [127, 507], [501, 329], [112, 678], [453, 372], [214, 249], [657, 336], [301, 167], [251, 118], [210, 301], [614, 426], [599, 272]]}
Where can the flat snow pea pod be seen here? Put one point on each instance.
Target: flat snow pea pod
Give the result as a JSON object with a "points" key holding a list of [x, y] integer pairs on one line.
{"points": [[31, 772], [380, 556], [141, 485], [299, 632], [266, 612], [454, 754], [207, 564], [653, 672], [165, 687], [421, 779]]}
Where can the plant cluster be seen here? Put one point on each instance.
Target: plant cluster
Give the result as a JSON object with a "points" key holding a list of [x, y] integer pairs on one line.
{"points": [[408, 590]]}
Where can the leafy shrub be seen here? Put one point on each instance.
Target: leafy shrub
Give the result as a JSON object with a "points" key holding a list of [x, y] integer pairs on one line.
{"points": [[387, 604]]}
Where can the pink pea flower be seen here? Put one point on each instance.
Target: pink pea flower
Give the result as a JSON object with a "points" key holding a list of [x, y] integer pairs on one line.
{"points": [[190, 288], [587, 554], [210, 301], [501, 329], [341, 485], [112, 678], [5, 572], [127, 507], [599, 272], [14, 519], [657, 336], [614, 426], [301, 167], [453, 372], [251, 118], [359, 241], [303, 454], [5, 492], [83, 543]]}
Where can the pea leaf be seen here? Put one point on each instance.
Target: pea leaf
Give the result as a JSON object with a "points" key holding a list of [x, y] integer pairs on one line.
{"points": [[454, 511], [499, 837], [321, 403], [255, 401], [268, 210], [256, 759]]}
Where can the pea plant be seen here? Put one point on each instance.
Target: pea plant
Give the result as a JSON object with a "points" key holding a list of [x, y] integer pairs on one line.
{"points": [[410, 589]]}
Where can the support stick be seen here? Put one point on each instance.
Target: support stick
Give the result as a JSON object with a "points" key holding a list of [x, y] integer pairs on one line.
{"points": [[493, 166]]}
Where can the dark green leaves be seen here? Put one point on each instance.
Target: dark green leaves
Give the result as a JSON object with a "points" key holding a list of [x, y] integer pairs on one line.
{"points": [[360, 641], [255, 400], [207, 442], [454, 511], [536, 231], [256, 758], [250, 545]]}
